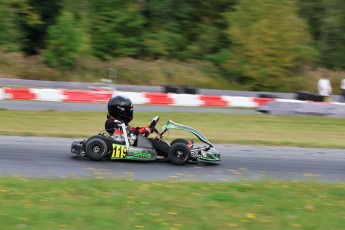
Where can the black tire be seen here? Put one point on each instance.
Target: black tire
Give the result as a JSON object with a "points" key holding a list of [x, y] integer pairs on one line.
{"points": [[96, 149], [181, 140], [179, 153], [184, 141]]}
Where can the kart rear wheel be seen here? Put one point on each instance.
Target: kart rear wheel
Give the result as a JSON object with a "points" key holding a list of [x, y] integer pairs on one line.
{"points": [[179, 153], [181, 140], [96, 149]]}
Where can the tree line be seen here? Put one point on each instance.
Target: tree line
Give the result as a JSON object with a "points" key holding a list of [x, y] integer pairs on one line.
{"points": [[260, 43]]}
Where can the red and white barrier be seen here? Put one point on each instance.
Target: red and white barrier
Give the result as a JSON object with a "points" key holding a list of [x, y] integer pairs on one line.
{"points": [[236, 101], [186, 100], [136, 98], [100, 96], [20, 94], [48, 94], [2, 94], [212, 100]]}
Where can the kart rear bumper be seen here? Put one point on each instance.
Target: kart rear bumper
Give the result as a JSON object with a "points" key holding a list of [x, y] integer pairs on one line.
{"points": [[77, 147]]}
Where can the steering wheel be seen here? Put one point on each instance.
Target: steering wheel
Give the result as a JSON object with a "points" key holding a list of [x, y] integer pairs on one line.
{"points": [[154, 123]]}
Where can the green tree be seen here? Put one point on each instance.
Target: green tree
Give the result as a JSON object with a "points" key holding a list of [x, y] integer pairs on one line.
{"points": [[34, 18], [270, 41], [164, 36], [116, 28], [185, 29], [164, 44], [326, 20], [65, 42], [10, 34], [81, 11]]}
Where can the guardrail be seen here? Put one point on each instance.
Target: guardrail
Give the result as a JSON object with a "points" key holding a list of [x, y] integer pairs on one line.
{"points": [[145, 88], [100, 96], [264, 105]]}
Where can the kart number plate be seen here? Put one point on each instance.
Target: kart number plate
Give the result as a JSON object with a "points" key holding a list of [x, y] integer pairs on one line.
{"points": [[119, 151]]}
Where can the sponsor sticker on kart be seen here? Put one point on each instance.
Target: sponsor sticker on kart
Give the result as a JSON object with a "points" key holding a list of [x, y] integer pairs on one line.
{"points": [[141, 155]]}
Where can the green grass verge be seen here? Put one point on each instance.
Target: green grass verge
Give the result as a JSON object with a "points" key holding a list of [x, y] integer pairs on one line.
{"points": [[125, 204], [257, 129]]}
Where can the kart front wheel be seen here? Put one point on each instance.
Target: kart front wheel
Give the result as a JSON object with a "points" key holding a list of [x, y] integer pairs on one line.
{"points": [[96, 149], [179, 153]]}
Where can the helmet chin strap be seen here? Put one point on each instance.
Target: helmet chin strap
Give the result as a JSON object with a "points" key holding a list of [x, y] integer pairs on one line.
{"points": [[109, 116]]}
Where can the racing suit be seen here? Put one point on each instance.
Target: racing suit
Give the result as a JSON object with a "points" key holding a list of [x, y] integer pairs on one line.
{"points": [[115, 128]]}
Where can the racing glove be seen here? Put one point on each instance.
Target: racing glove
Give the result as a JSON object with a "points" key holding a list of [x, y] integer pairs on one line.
{"points": [[146, 130]]}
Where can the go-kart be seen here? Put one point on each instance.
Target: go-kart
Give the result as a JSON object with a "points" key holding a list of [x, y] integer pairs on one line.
{"points": [[103, 146]]}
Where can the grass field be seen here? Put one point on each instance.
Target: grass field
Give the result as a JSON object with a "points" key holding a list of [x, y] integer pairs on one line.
{"points": [[258, 129], [106, 203], [125, 204]]}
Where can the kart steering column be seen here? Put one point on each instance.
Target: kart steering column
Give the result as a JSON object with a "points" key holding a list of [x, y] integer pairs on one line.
{"points": [[125, 135]]}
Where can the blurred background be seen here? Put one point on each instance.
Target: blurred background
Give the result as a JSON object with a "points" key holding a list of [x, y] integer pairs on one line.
{"points": [[255, 45]]}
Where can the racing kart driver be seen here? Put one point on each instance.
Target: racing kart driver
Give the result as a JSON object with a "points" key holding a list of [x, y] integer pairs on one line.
{"points": [[120, 113]]}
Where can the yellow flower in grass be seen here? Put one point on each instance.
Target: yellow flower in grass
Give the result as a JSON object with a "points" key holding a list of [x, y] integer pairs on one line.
{"points": [[23, 179], [145, 202], [232, 225], [154, 214], [172, 213], [265, 221], [196, 194], [251, 215]]}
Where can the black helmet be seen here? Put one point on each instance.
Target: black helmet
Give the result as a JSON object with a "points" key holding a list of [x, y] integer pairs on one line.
{"points": [[121, 107]]}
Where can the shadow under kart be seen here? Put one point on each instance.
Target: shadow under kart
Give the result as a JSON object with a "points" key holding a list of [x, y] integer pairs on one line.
{"points": [[102, 146]]}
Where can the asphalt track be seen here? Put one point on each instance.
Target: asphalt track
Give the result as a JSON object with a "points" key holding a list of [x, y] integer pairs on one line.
{"points": [[38, 157], [50, 157]]}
